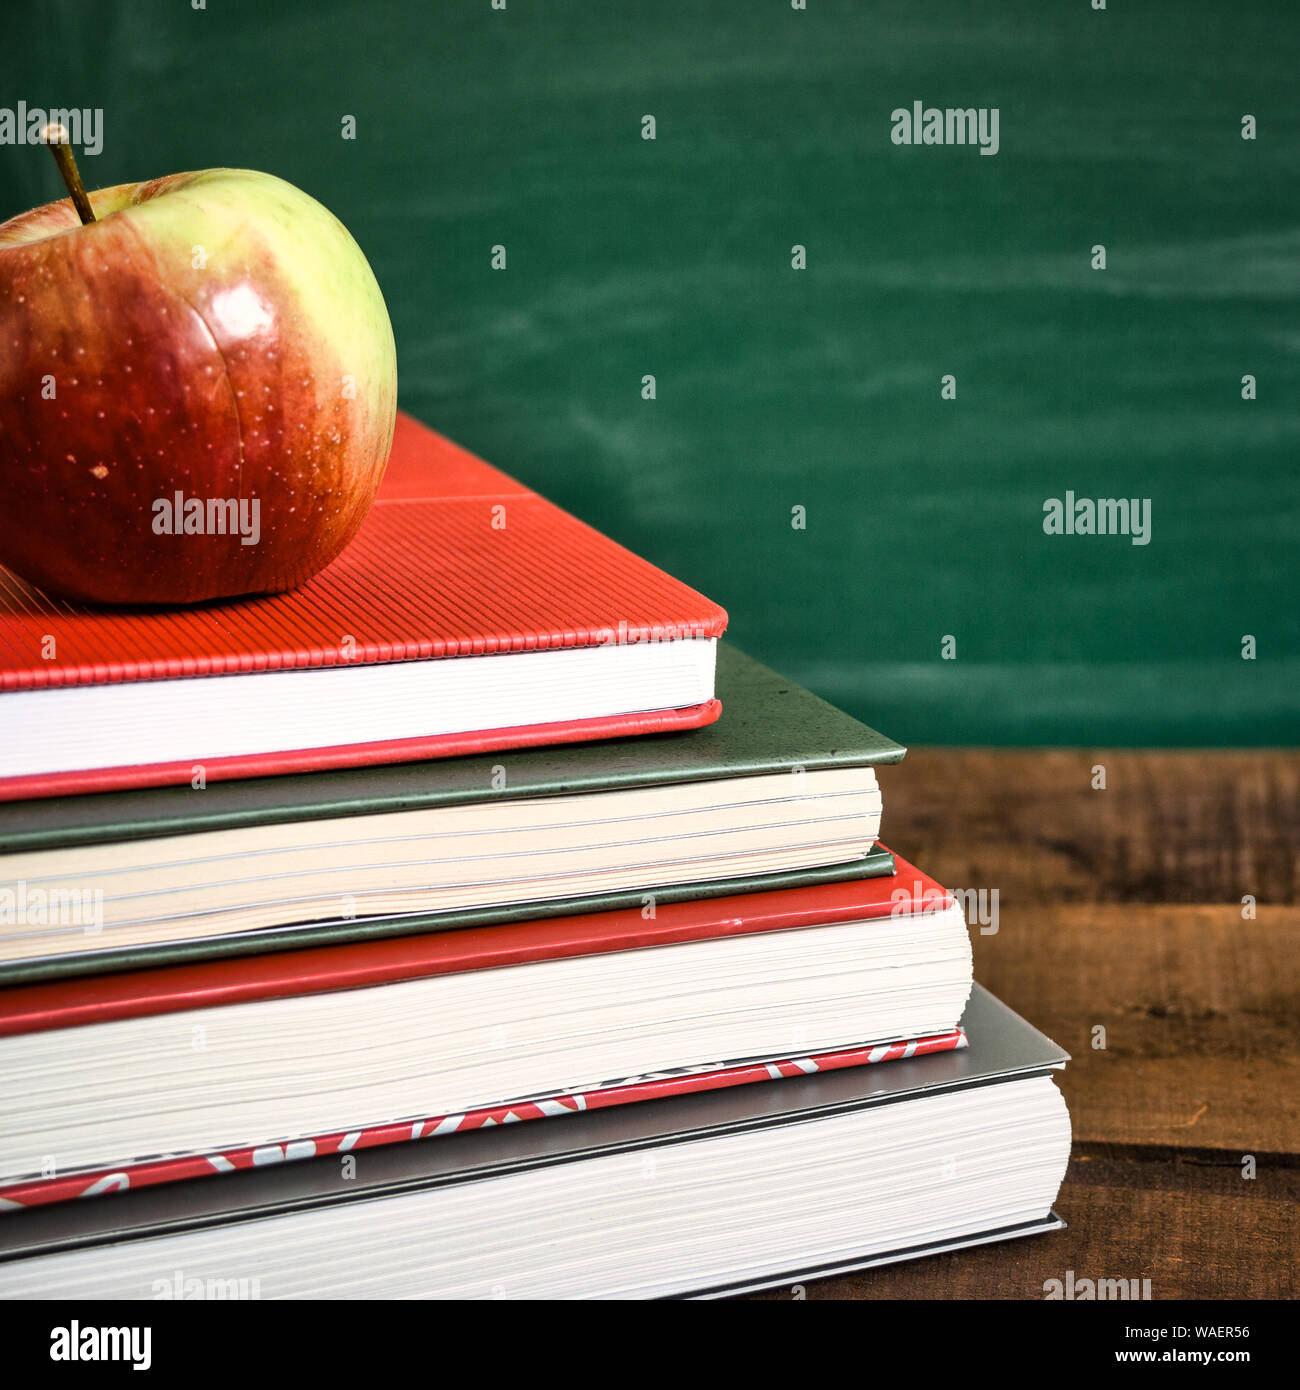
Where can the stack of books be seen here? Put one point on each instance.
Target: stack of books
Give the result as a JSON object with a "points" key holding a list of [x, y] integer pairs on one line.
{"points": [[474, 922]]}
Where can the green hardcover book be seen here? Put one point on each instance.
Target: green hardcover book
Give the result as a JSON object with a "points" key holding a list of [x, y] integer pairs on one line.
{"points": [[779, 793]]}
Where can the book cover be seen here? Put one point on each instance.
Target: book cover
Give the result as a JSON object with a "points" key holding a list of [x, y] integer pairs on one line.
{"points": [[712, 1076], [240, 979], [772, 725], [184, 989], [428, 577], [1002, 1048]]}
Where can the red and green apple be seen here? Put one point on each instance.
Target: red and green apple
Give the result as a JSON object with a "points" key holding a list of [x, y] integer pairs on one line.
{"points": [[209, 339]]}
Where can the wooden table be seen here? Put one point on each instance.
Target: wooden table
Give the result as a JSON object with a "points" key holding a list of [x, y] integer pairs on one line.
{"points": [[1122, 908]]}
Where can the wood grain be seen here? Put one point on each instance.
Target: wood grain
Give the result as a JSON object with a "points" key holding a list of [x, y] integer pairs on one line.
{"points": [[1199, 1043], [1195, 1231], [1185, 827], [1122, 910]]}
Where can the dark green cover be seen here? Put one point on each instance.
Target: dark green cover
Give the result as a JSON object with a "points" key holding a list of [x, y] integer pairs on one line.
{"points": [[821, 387], [768, 724]]}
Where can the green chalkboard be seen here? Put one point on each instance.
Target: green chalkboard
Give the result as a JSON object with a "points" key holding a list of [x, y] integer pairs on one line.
{"points": [[819, 388]]}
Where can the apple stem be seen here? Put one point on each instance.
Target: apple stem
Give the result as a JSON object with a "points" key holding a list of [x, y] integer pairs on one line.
{"points": [[56, 137]]}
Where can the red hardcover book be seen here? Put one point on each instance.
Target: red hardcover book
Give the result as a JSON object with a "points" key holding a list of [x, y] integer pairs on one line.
{"points": [[150, 1172], [468, 615], [329, 1049]]}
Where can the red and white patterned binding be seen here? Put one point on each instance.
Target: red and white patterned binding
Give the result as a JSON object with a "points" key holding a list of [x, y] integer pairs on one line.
{"points": [[707, 1077]]}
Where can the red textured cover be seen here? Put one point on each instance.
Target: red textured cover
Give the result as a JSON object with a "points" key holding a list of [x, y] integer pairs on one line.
{"points": [[150, 1172], [428, 576], [170, 989]]}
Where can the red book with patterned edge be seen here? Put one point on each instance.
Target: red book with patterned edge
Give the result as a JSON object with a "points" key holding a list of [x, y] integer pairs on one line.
{"points": [[428, 577], [150, 1172], [173, 989]]}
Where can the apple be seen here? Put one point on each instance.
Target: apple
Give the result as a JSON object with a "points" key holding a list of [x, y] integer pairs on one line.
{"points": [[198, 389]]}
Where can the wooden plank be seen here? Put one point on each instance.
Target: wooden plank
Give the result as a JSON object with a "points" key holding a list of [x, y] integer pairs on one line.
{"points": [[1202, 1039], [1168, 827], [1194, 1231]]}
